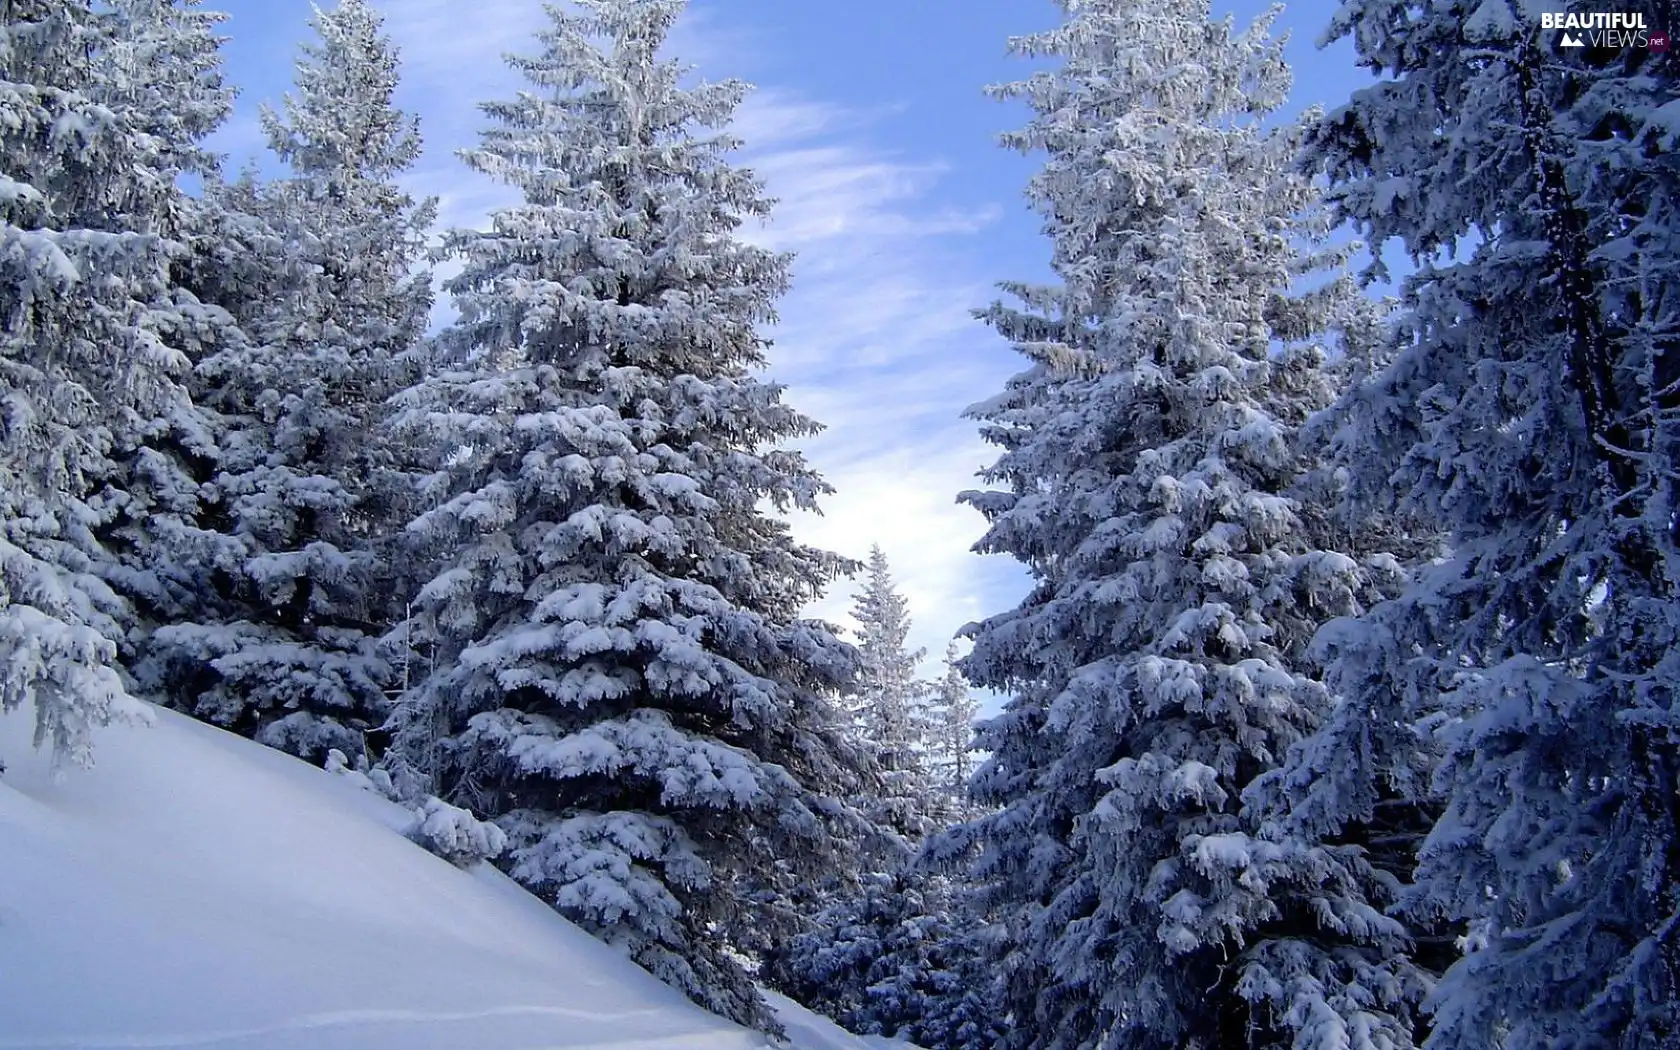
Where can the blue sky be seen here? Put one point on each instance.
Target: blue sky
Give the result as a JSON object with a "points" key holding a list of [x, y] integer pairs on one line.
{"points": [[870, 125]]}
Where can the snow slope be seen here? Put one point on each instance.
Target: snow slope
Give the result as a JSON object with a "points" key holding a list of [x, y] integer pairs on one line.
{"points": [[198, 890]]}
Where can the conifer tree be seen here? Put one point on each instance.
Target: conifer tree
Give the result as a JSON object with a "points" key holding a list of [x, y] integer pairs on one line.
{"points": [[1148, 480], [1530, 413], [884, 952], [623, 680], [93, 346], [161, 556], [898, 958], [889, 704], [327, 292], [1357, 793], [951, 718]]}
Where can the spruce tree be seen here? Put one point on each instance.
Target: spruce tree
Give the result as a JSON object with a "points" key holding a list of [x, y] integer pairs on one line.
{"points": [[161, 554], [887, 951], [898, 957], [1357, 794], [889, 703], [1148, 480], [623, 679], [951, 717], [95, 334], [1530, 413], [324, 284]]}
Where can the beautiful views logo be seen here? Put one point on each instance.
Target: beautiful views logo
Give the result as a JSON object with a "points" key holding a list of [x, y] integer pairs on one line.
{"points": [[1604, 29]]}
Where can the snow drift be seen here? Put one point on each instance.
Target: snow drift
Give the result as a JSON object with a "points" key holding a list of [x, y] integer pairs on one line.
{"points": [[194, 889]]}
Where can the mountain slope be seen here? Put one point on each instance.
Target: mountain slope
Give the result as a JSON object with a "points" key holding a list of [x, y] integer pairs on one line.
{"points": [[196, 890]]}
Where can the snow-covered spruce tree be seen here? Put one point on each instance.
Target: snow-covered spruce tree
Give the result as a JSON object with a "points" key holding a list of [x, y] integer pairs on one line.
{"points": [[896, 958], [162, 68], [165, 61], [287, 652], [622, 676], [1357, 791], [1160, 663], [1531, 412], [886, 721], [952, 712], [88, 208], [888, 704]]}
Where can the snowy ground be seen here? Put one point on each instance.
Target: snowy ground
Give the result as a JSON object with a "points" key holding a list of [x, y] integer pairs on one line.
{"points": [[197, 890]]}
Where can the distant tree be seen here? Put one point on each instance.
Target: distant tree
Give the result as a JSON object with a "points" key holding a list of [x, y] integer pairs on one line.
{"points": [[884, 951], [951, 717], [623, 680], [889, 703]]}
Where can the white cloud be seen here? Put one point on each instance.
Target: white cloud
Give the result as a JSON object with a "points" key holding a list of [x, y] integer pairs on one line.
{"points": [[903, 499], [448, 46], [877, 341]]}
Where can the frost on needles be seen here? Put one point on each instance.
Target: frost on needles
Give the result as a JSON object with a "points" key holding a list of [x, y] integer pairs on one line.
{"points": [[282, 576], [1151, 479], [104, 111], [1532, 413], [623, 680]]}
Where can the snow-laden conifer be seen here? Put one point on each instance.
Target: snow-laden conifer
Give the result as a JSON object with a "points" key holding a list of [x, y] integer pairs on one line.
{"points": [[889, 704], [165, 61], [1148, 480], [883, 949], [952, 711], [623, 679], [94, 335], [162, 68], [1356, 794], [324, 284], [1530, 413], [899, 958]]}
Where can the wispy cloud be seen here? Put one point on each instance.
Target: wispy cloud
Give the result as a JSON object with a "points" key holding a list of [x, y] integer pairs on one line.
{"points": [[877, 341], [452, 64], [459, 50], [241, 141]]}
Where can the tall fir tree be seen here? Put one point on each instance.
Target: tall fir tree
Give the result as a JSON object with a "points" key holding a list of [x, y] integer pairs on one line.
{"points": [[1357, 793], [103, 116], [1149, 475], [160, 554], [889, 704], [1531, 413], [329, 296], [623, 679]]}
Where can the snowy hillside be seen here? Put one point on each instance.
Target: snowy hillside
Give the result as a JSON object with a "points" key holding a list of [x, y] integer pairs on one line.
{"points": [[198, 890]]}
